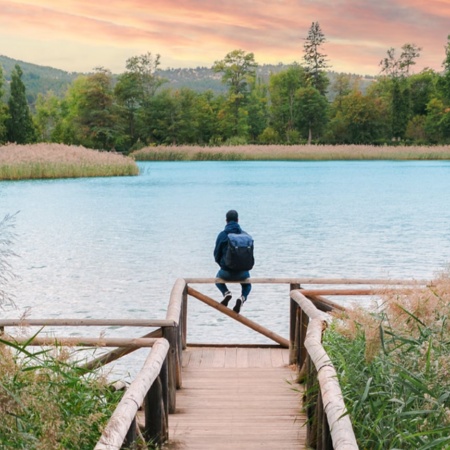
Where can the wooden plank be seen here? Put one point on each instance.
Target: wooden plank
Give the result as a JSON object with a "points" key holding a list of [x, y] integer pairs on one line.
{"points": [[247, 403]]}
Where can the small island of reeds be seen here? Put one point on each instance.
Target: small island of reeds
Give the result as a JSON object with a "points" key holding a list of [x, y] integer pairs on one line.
{"points": [[42, 161], [292, 153]]}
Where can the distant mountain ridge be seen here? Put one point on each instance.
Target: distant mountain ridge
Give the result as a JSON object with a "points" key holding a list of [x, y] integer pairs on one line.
{"points": [[42, 79]]}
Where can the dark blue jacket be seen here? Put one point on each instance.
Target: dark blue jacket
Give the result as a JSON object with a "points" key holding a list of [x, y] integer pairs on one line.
{"points": [[221, 243]]}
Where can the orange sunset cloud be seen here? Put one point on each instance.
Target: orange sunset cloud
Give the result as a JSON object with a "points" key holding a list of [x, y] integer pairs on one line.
{"points": [[78, 35]]}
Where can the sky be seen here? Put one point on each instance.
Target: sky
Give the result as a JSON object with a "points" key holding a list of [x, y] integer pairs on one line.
{"points": [[79, 35]]}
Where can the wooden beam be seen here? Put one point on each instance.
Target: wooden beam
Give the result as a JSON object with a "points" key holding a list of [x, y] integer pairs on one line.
{"points": [[116, 353], [82, 341], [244, 320]]}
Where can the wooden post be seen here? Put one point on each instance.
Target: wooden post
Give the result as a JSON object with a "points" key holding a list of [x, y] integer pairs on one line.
{"points": [[172, 361], [304, 320], [184, 315], [155, 417], [164, 377], [292, 325], [327, 443], [296, 346]]}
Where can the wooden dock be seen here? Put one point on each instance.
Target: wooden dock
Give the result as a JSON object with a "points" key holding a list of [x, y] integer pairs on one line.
{"points": [[237, 398]]}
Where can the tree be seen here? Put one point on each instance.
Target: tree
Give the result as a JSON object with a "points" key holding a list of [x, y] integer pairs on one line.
{"points": [[358, 119], [238, 70], [312, 115], [19, 124], [283, 87], [397, 70], [395, 67], [3, 110], [134, 92], [48, 116], [444, 82], [315, 62], [91, 119]]}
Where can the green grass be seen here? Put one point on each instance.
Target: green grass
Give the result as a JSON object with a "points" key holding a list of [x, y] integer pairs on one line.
{"points": [[394, 369], [46, 403], [291, 153], [43, 161]]}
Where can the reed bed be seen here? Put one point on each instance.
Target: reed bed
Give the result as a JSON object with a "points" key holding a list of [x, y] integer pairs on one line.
{"points": [[291, 152], [40, 161], [394, 368], [47, 402]]}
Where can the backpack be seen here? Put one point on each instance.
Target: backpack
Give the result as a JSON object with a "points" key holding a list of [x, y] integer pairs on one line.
{"points": [[239, 252]]}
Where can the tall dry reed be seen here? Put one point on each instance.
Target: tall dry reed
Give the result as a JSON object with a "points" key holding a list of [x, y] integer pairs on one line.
{"points": [[291, 152], [40, 161]]}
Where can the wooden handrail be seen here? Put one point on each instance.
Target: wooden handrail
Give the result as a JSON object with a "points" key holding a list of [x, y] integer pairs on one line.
{"points": [[82, 341], [122, 418], [86, 322], [319, 281], [340, 426]]}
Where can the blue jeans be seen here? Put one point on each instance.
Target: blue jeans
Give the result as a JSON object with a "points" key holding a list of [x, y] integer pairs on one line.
{"points": [[234, 276]]}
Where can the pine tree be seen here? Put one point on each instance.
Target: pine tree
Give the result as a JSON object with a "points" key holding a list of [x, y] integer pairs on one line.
{"points": [[20, 127], [315, 62]]}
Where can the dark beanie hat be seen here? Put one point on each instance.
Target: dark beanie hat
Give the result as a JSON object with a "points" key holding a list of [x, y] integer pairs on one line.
{"points": [[232, 216]]}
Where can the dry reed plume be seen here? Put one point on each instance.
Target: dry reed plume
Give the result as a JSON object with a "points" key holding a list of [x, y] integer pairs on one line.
{"points": [[39, 161], [292, 152]]}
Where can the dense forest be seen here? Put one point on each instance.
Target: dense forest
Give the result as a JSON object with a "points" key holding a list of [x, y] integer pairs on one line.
{"points": [[235, 102]]}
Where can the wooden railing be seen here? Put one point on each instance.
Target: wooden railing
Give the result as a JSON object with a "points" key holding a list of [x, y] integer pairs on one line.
{"points": [[155, 386]]}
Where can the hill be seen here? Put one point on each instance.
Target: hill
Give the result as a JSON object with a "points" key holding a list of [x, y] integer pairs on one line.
{"points": [[38, 79], [42, 79]]}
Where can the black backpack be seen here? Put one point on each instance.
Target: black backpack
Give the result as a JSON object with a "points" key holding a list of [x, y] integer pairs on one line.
{"points": [[239, 252]]}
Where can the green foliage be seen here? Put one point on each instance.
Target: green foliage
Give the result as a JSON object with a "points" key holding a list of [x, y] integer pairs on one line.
{"points": [[283, 106], [3, 110], [312, 112], [19, 123], [47, 402], [357, 118]]}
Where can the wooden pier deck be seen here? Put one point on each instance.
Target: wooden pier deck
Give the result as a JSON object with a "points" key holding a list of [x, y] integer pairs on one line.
{"points": [[237, 398]]}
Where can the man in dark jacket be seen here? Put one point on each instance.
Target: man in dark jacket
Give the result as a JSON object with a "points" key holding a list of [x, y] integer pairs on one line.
{"points": [[225, 273]]}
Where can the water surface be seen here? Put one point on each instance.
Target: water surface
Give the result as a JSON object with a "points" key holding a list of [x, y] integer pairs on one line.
{"points": [[113, 247]]}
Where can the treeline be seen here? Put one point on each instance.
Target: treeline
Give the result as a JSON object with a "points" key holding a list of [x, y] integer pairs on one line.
{"points": [[137, 108]]}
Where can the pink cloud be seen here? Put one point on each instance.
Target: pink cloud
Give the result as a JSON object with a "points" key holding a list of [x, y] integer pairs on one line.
{"points": [[191, 32]]}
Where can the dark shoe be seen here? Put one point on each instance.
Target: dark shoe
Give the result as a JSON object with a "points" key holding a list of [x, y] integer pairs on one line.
{"points": [[239, 303], [226, 298]]}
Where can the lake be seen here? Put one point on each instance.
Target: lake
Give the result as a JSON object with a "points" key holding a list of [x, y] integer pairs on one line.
{"points": [[113, 247]]}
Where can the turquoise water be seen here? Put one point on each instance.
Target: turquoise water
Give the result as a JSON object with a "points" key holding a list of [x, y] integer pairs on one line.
{"points": [[113, 247]]}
